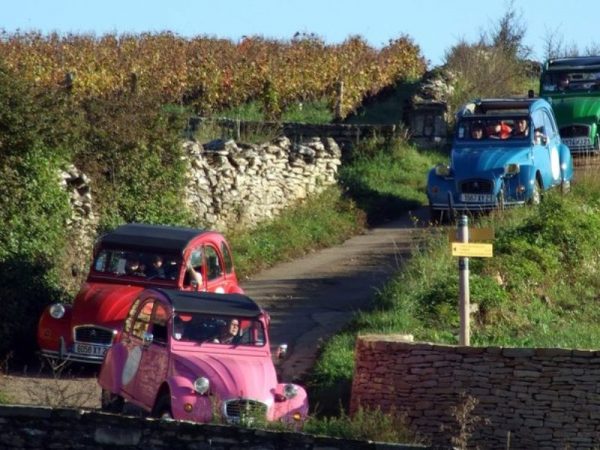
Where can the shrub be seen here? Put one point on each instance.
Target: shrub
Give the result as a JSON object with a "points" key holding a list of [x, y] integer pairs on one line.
{"points": [[134, 157], [33, 209], [364, 424]]}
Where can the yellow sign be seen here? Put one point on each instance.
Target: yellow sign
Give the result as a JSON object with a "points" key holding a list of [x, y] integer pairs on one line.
{"points": [[475, 235], [470, 250]]}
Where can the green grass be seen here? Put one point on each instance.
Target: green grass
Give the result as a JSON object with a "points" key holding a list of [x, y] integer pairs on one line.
{"points": [[539, 290], [380, 183], [385, 178], [321, 221]]}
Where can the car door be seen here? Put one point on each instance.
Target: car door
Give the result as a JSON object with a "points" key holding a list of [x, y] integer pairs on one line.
{"points": [[155, 356], [542, 152], [553, 144], [215, 272], [136, 327]]}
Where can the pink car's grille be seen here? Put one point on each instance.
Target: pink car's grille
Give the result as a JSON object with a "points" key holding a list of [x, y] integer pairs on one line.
{"points": [[236, 409], [94, 335]]}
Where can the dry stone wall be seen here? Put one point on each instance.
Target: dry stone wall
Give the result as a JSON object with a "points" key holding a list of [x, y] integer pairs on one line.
{"points": [[521, 398], [236, 184], [228, 184], [46, 428]]}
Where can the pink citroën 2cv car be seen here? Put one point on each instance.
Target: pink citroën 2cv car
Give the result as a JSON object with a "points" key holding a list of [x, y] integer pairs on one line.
{"points": [[201, 357]]}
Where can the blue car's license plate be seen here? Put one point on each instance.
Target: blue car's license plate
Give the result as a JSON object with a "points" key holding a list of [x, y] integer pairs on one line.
{"points": [[476, 198]]}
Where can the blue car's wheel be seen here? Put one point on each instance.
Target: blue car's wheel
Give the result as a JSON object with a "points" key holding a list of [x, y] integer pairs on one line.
{"points": [[536, 195]]}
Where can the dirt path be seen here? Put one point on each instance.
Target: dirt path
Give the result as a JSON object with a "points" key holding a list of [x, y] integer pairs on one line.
{"points": [[309, 299]]}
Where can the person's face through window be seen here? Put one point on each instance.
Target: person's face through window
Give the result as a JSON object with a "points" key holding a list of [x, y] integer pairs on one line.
{"points": [[234, 327], [477, 133], [522, 126]]}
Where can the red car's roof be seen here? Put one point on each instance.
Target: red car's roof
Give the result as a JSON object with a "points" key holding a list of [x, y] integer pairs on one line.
{"points": [[163, 238]]}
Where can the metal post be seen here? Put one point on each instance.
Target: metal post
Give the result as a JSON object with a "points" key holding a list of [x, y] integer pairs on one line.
{"points": [[463, 285]]}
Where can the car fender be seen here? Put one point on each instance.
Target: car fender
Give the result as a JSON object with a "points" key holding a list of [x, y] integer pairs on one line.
{"points": [[527, 177], [442, 184], [182, 391], [566, 162], [286, 409], [50, 330]]}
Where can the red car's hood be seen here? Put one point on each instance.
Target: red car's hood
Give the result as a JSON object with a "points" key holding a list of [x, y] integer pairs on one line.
{"points": [[231, 376], [103, 304]]}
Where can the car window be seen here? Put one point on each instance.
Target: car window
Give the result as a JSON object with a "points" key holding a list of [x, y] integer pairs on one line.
{"points": [[227, 259], [549, 126], [195, 261], [159, 324], [200, 328], [538, 121], [213, 265], [571, 81], [151, 265], [490, 129], [142, 321], [131, 315]]}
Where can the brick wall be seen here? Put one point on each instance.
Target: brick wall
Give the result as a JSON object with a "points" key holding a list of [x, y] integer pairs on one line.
{"points": [[524, 397]]}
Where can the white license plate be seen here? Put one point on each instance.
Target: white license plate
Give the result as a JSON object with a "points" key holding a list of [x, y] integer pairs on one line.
{"points": [[88, 349], [477, 198], [577, 141]]}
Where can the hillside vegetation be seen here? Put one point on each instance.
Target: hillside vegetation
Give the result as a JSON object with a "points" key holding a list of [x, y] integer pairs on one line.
{"points": [[539, 290], [210, 74]]}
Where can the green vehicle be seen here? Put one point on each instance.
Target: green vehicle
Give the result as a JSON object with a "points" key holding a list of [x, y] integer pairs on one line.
{"points": [[572, 86]]}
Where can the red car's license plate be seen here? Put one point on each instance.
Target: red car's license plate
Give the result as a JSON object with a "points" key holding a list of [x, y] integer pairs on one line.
{"points": [[88, 349]]}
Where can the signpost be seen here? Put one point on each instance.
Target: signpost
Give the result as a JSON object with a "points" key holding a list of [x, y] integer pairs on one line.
{"points": [[461, 247]]}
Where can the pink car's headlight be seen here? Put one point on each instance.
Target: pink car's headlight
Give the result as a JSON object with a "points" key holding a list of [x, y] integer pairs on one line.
{"points": [[290, 391], [201, 385]]}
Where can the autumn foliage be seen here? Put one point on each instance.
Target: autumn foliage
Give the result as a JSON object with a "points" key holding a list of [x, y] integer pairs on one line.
{"points": [[210, 74]]}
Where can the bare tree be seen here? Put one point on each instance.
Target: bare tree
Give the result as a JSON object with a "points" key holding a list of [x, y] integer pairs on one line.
{"points": [[494, 66], [555, 46], [509, 32]]}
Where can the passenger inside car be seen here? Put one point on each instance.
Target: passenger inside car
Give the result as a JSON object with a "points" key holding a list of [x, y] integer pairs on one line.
{"points": [[499, 130], [477, 130], [521, 129]]}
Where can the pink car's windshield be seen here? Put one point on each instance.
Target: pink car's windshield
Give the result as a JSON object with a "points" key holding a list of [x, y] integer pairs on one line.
{"points": [[142, 265], [199, 328]]}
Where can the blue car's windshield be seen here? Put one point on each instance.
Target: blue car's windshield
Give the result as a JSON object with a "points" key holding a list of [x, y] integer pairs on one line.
{"points": [[493, 129]]}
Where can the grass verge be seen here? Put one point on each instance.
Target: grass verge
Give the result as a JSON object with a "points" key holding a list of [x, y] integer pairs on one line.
{"points": [[539, 289]]}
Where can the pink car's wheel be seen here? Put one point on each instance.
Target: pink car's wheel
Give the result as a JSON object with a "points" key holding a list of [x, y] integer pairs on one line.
{"points": [[162, 410], [110, 402]]}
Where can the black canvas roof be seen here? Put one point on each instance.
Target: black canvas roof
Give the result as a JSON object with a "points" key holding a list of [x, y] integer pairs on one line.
{"points": [[581, 62], [209, 303], [496, 106], [162, 238]]}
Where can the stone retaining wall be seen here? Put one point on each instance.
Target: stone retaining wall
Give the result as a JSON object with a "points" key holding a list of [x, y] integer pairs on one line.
{"points": [[46, 428], [520, 397], [235, 184], [229, 184]]}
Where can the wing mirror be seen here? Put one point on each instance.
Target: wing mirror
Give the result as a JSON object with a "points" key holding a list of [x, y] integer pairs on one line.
{"points": [[541, 139], [282, 351], [148, 338]]}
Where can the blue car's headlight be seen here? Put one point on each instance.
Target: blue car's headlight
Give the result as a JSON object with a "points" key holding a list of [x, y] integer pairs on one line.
{"points": [[512, 169], [442, 170]]}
